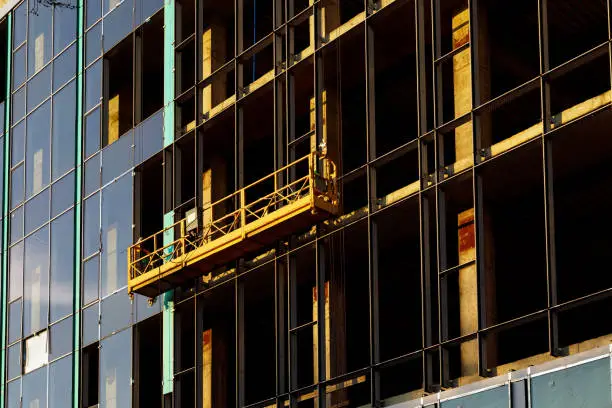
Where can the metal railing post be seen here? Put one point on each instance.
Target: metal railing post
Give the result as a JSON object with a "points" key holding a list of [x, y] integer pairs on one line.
{"points": [[243, 213]]}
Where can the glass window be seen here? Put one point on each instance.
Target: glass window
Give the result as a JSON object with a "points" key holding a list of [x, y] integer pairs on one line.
{"points": [[39, 88], [116, 313], [17, 186], [14, 361], [19, 67], [146, 8], [115, 370], [93, 79], [91, 279], [92, 175], [18, 107], [93, 44], [585, 385], [37, 211], [62, 194], [18, 144], [94, 11], [60, 342], [495, 398], [92, 133], [16, 272], [64, 67], [36, 352], [36, 281], [35, 389], [64, 25], [64, 130], [37, 149], [13, 395], [62, 258], [143, 309], [91, 318], [39, 37], [117, 158], [91, 229], [16, 225], [20, 24], [116, 233], [60, 383], [14, 324], [117, 24]]}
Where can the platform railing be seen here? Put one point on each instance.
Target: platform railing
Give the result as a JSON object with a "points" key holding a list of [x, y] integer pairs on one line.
{"points": [[319, 182]]}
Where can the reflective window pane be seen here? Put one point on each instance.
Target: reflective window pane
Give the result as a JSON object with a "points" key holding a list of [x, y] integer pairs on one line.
{"points": [[91, 229], [39, 88], [115, 369], [117, 158], [36, 281], [93, 79], [37, 211], [60, 342], [90, 324], [62, 258], [94, 11], [14, 361], [13, 395], [17, 186], [18, 143], [91, 278], [39, 37], [92, 133], [14, 324], [64, 67], [62, 194], [60, 383], [92, 175], [116, 313], [18, 107], [495, 398], [93, 43], [64, 129], [64, 25], [16, 272], [37, 149], [117, 24], [19, 67], [16, 225], [585, 385], [146, 8], [20, 23], [116, 233], [35, 389]]}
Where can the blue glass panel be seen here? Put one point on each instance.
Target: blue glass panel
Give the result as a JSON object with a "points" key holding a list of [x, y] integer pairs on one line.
{"points": [[62, 266], [64, 67], [93, 44], [64, 131], [91, 279], [20, 24], [35, 389], [64, 24], [37, 211], [91, 317], [91, 230], [116, 313], [93, 85], [586, 385], [14, 323], [14, 361], [18, 144], [94, 11], [149, 137], [115, 370], [117, 158], [38, 142], [60, 342], [145, 9], [118, 24], [40, 48], [62, 194], [16, 271], [39, 88], [13, 397], [36, 282], [18, 107], [92, 133], [19, 67], [494, 398], [60, 383]]}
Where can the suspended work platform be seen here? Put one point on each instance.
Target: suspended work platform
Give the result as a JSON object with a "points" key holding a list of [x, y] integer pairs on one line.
{"points": [[245, 221]]}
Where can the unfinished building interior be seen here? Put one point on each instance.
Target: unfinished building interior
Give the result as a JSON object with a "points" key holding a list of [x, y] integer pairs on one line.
{"points": [[463, 227]]}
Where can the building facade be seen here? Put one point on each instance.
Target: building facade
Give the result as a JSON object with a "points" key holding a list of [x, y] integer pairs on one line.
{"points": [[331, 203]]}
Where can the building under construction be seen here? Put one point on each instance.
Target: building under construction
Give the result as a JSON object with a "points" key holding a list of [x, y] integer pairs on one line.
{"points": [[305, 203]]}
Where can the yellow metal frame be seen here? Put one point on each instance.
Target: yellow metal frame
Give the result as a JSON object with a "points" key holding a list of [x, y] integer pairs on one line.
{"points": [[315, 192]]}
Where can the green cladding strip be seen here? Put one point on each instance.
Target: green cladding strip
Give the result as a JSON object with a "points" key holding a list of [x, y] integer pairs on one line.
{"points": [[5, 207], [168, 72], [76, 323], [168, 321], [168, 297]]}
